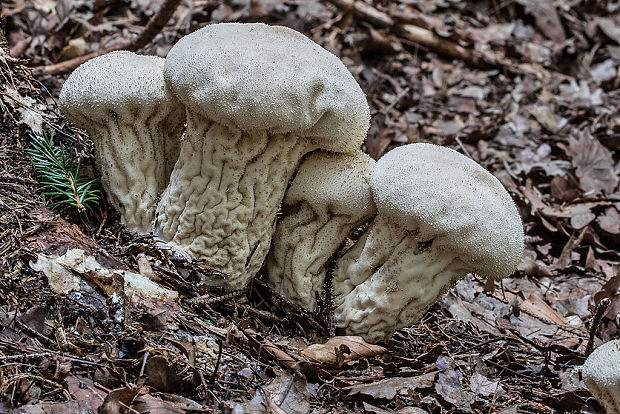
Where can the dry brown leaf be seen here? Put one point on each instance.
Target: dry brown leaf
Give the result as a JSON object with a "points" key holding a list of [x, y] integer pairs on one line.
{"points": [[147, 404], [285, 394], [348, 348], [388, 388], [594, 165]]}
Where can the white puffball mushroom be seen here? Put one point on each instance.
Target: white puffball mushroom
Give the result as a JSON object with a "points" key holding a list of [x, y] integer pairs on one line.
{"points": [[440, 216], [328, 198], [257, 99], [135, 122], [601, 374]]}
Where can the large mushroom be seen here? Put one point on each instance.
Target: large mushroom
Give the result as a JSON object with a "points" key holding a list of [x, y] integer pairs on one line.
{"points": [[257, 99], [440, 216], [601, 374], [135, 122], [329, 198]]}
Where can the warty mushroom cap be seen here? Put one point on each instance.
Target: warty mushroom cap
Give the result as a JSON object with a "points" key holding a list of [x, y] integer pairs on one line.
{"points": [[257, 99], [135, 121], [256, 77], [440, 216], [601, 374], [328, 198]]}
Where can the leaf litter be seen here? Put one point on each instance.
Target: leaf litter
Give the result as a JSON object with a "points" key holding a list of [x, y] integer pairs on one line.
{"points": [[530, 93]]}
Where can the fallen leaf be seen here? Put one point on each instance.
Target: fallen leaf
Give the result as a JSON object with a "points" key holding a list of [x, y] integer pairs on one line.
{"points": [[609, 27], [68, 407], [450, 386], [352, 348], [594, 165], [480, 385], [285, 394], [85, 392], [388, 388], [406, 410], [147, 404], [547, 118], [116, 401], [547, 18]]}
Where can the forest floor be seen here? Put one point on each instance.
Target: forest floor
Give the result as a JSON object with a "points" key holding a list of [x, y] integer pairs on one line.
{"points": [[527, 88]]}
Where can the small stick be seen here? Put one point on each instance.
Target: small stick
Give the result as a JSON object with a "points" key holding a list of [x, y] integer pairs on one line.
{"points": [[217, 364], [601, 310]]}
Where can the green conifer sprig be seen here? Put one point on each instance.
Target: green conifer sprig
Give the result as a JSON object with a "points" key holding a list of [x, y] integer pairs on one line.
{"points": [[59, 174]]}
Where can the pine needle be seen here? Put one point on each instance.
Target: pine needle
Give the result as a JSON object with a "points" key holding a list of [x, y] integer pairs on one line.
{"points": [[59, 174]]}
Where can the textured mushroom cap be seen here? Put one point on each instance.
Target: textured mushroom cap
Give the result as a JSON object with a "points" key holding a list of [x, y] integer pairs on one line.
{"points": [[115, 84], [337, 183], [601, 373], [452, 200], [256, 77]]}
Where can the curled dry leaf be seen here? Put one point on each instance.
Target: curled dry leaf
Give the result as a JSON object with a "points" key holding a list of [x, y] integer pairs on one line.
{"points": [[340, 349]]}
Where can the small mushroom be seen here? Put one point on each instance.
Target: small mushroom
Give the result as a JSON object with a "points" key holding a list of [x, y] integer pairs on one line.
{"points": [[135, 122], [440, 216], [257, 99], [328, 198], [601, 374]]}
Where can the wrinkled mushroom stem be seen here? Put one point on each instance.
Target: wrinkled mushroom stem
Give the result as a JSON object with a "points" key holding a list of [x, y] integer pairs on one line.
{"points": [[389, 278], [302, 245], [224, 193], [606, 395], [133, 187]]}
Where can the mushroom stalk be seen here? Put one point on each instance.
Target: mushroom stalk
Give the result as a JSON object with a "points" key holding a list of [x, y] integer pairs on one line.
{"points": [[401, 259], [224, 194]]}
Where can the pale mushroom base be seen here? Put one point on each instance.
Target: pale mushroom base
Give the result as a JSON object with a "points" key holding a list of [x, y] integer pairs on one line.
{"points": [[388, 279], [224, 192], [608, 397], [134, 157], [303, 239]]}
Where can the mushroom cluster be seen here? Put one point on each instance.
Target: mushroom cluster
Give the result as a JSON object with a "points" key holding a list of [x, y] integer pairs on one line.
{"points": [[266, 109]]}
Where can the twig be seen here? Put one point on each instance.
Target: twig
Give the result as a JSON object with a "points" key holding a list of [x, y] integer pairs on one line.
{"points": [[154, 26], [600, 311], [217, 364]]}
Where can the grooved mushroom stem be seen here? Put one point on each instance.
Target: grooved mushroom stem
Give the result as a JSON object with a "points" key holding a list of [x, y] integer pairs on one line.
{"points": [[370, 275], [224, 193], [295, 252]]}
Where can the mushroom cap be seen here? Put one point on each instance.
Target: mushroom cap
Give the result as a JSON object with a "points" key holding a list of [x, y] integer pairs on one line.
{"points": [[601, 373], [115, 84], [337, 183], [255, 77], [450, 199]]}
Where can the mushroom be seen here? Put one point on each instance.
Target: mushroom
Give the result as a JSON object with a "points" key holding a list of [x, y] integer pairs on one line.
{"points": [[328, 198], [440, 216], [257, 99], [601, 374], [135, 122]]}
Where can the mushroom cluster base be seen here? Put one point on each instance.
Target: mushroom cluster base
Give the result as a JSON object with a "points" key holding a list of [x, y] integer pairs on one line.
{"points": [[388, 279], [223, 196]]}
